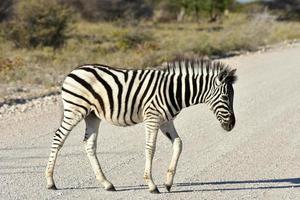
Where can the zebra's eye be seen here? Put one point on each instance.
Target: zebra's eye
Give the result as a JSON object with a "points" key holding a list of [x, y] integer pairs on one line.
{"points": [[224, 98]]}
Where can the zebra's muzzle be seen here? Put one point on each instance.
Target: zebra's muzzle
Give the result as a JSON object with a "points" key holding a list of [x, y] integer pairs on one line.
{"points": [[228, 126]]}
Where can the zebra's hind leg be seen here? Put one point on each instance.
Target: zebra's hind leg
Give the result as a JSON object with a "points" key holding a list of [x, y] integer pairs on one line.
{"points": [[90, 143], [70, 119], [169, 131], [151, 136]]}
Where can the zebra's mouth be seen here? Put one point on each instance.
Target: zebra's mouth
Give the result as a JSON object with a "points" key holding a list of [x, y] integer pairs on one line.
{"points": [[227, 126]]}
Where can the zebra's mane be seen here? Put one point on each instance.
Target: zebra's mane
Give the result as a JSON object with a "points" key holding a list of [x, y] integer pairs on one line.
{"points": [[197, 66], [187, 65]]}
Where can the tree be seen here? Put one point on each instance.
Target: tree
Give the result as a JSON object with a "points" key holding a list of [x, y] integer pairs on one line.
{"points": [[197, 8], [218, 7]]}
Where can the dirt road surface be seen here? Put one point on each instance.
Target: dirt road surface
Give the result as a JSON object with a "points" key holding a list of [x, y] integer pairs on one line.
{"points": [[259, 159]]}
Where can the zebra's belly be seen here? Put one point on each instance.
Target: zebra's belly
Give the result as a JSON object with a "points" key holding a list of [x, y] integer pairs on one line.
{"points": [[123, 121]]}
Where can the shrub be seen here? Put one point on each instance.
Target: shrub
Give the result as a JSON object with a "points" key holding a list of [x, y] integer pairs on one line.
{"points": [[107, 10], [287, 9], [39, 23], [7, 64], [5, 9], [249, 35], [134, 39]]}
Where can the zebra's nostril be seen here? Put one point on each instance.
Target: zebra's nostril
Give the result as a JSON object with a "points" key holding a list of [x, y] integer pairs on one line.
{"points": [[227, 126]]}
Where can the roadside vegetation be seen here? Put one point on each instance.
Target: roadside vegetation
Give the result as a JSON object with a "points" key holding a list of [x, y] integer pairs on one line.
{"points": [[40, 42]]}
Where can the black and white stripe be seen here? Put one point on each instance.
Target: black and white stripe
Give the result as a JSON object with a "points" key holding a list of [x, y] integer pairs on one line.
{"points": [[154, 96]]}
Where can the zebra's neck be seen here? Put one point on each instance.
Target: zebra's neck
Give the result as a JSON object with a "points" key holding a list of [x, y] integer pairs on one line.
{"points": [[192, 82]]}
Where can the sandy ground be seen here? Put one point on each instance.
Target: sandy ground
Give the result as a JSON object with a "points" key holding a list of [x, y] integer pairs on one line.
{"points": [[259, 159]]}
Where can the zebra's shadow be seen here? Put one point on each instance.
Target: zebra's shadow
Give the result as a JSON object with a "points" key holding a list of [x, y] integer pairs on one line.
{"points": [[263, 184]]}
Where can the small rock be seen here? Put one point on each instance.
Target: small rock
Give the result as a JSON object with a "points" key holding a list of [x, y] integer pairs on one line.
{"points": [[22, 105], [23, 109]]}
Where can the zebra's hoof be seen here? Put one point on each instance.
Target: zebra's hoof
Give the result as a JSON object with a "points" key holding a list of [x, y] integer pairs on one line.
{"points": [[52, 187], [168, 187], [155, 191], [111, 188]]}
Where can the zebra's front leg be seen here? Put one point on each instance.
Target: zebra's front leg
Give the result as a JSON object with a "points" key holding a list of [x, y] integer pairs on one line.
{"points": [[90, 143], [169, 131], [151, 135]]}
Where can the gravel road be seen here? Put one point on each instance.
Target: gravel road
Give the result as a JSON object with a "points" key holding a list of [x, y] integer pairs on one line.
{"points": [[259, 159]]}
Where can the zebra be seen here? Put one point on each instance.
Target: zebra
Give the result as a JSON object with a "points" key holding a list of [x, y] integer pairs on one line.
{"points": [[155, 97]]}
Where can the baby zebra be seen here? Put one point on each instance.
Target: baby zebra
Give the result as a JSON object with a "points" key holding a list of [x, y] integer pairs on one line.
{"points": [[153, 96]]}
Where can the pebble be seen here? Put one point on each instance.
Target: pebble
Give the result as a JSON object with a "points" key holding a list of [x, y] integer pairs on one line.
{"points": [[24, 105]]}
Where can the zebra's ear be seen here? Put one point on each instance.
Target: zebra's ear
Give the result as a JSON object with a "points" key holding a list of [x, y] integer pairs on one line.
{"points": [[222, 76], [227, 76], [231, 78]]}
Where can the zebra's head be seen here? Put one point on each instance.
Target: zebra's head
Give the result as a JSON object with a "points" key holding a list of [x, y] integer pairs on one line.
{"points": [[221, 98]]}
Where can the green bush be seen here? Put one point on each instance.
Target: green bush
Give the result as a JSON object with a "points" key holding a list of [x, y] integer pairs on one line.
{"points": [[39, 23]]}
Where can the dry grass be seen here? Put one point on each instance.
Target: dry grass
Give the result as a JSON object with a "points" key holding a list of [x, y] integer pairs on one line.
{"points": [[144, 45]]}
